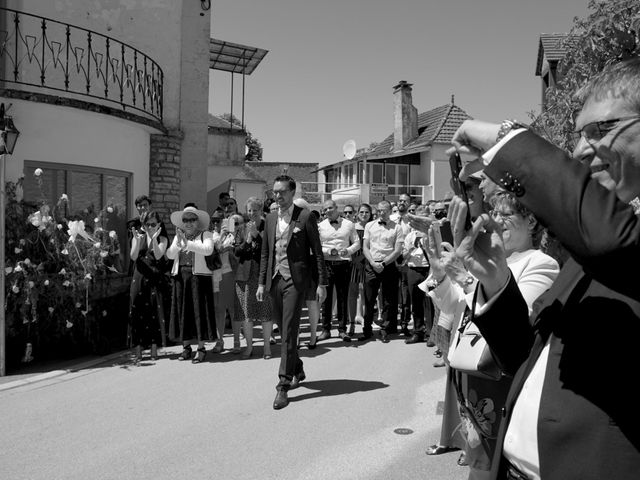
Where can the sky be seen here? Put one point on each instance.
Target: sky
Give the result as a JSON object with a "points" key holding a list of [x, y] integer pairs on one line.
{"points": [[332, 65]]}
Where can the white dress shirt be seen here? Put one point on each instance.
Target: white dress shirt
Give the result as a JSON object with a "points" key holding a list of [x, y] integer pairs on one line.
{"points": [[383, 238], [341, 236]]}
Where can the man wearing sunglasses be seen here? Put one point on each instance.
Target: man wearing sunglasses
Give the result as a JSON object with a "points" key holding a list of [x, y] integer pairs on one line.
{"points": [[567, 415]]}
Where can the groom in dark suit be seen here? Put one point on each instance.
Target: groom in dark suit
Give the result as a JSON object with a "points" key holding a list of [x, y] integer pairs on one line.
{"points": [[570, 411], [286, 270]]}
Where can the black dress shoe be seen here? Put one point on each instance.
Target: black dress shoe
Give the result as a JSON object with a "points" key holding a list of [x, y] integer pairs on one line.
{"points": [[324, 335], [345, 337], [365, 337], [281, 400], [384, 336], [311, 346], [406, 332], [415, 338], [295, 383], [440, 449]]}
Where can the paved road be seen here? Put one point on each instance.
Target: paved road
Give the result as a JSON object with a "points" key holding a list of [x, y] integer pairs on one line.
{"points": [[174, 420]]}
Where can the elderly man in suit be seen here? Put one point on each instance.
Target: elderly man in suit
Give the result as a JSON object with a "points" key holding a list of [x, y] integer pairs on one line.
{"points": [[286, 269], [569, 413]]}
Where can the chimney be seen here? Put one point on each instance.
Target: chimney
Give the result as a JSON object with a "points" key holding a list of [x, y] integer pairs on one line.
{"points": [[405, 116]]}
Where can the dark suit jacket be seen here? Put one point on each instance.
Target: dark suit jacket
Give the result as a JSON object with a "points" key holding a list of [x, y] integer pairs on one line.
{"points": [[303, 250], [586, 428]]}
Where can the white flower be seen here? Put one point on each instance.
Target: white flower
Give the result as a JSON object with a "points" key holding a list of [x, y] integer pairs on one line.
{"points": [[26, 261], [15, 289], [22, 242], [37, 172], [104, 313], [50, 309], [65, 251], [62, 271], [66, 283], [110, 209], [69, 324], [78, 304], [17, 250], [104, 253], [46, 283], [113, 234], [96, 220], [18, 268], [77, 228], [8, 270], [88, 276], [31, 284], [97, 244], [59, 226], [64, 197]]}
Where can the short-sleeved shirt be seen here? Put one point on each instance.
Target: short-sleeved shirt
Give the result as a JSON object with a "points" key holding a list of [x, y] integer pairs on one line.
{"points": [[383, 238]]}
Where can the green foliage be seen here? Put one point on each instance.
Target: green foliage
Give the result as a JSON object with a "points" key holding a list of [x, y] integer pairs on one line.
{"points": [[610, 33]]}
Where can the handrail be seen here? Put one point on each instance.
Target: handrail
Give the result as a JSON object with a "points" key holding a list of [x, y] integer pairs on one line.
{"points": [[41, 52]]}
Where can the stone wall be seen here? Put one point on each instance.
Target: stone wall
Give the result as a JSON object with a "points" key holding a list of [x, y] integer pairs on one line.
{"points": [[164, 174]]}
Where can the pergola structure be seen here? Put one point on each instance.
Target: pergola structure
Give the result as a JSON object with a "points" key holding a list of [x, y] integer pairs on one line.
{"points": [[234, 58]]}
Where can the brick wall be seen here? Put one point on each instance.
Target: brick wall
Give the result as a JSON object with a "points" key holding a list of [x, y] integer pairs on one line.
{"points": [[164, 174]]}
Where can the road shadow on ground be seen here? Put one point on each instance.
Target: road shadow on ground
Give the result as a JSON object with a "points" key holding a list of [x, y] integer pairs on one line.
{"points": [[330, 388]]}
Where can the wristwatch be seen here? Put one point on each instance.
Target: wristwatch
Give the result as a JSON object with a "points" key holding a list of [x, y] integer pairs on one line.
{"points": [[506, 126]]}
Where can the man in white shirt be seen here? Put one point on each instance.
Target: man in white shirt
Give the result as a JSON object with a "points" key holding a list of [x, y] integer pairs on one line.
{"points": [[339, 241], [382, 245]]}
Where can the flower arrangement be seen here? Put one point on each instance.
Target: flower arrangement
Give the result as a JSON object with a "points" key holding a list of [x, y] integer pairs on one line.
{"points": [[53, 261]]}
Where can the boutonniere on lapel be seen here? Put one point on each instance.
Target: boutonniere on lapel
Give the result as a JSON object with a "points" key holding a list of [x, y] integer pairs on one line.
{"points": [[296, 229]]}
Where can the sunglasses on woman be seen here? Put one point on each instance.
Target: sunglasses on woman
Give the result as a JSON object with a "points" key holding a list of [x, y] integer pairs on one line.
{"points": [[190, 220]]}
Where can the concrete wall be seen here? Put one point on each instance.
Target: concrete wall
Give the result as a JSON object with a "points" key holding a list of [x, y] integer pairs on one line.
{"points": [[225, 147], [50, 133]]}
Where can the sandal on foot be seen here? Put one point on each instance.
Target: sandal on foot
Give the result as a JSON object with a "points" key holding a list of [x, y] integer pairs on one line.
{"points": [[200, 356], [186, 353]]}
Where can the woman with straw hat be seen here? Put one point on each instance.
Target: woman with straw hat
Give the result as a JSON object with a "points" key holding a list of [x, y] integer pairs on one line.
{"points": [[192, 291]]}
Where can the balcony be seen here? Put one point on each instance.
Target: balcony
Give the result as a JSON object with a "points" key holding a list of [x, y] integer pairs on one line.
{"points": [[316, 193], [43, 56]]}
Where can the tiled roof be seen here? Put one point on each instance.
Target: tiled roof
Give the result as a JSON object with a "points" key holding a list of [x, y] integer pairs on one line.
{"points": [[267, 171], [247, 174], [553, 47], [434, 126]]}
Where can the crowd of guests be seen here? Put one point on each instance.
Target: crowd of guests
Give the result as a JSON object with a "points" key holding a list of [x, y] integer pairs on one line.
{"points": [[552, 409]]}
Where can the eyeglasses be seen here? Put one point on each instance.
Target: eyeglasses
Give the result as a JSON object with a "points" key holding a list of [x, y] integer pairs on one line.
{"points": [[348, 212], [412, 210], [189, 219], [237, 224], [596, 131], [495, 214]]}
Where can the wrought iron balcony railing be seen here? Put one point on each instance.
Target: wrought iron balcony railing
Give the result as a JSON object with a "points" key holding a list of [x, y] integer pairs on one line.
{"points": [[48, 54]]}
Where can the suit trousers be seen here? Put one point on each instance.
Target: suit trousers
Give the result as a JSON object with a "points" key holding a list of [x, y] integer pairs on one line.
{"points": [[387, 280], [287, 304], [338, 275], [421, 307]]}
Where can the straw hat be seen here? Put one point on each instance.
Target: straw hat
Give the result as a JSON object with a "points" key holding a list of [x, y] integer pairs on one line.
{"points": [[203, 218]]}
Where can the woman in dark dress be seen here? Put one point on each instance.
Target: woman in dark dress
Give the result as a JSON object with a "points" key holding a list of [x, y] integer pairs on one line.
{"points": [[147, 303], [356, 288], [192, 289]]}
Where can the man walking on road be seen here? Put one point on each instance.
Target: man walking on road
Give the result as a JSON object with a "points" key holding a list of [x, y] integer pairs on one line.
{"points": [[286, 270]]}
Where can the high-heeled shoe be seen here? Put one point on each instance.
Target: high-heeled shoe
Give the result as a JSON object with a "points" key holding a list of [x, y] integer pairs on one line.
{"points": [[247, 352], [200, 356], [267, 355], [219, 347], [186, 353], [311, 346]]}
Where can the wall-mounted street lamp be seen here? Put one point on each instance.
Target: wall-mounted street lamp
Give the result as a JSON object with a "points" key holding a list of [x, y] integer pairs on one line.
{"points": [[205, 4], [8, 137]]}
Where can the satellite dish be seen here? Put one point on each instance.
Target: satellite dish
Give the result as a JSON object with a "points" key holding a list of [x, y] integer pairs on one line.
{"points": [[349, 149]]}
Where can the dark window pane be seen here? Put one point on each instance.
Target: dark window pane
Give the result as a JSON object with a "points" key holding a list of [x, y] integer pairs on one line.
{"points": [[86, 193], [53, 185]]}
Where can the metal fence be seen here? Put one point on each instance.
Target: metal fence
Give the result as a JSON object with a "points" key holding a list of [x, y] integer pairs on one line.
{"points": [[48, 54]]}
